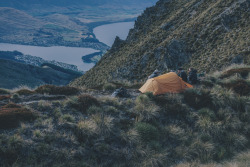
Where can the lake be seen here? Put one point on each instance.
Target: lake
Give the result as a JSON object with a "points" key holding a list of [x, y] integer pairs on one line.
{"points": [[69, 55], [107, 33]]}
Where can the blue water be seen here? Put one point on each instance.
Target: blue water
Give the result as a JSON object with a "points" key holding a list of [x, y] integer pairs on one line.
{"points": [[69, 55], [107, 33]]}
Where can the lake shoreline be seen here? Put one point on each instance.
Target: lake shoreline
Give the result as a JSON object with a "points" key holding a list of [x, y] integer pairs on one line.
{"points": [[64, 54], [97, 45], [107, 33], [72, 53]]}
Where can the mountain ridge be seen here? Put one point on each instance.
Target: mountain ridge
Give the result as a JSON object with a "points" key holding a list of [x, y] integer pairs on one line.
{"points": [[206, 35]]}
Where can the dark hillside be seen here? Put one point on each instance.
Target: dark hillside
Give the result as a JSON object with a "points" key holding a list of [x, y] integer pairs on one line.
{"points": [[13, 74], [206, 35]]}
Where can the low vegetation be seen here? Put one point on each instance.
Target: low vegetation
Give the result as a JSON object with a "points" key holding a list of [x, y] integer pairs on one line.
{"points": [[204, 126], [57, 90]]}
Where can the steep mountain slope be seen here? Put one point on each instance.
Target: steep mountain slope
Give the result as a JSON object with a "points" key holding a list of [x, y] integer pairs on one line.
{"points": [[204, 34], [13, 74]]}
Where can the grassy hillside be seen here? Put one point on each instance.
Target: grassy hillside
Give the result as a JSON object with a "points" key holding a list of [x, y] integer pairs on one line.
{"points": [[206, 35], [13, 74], [64, 126], [203, 125]]}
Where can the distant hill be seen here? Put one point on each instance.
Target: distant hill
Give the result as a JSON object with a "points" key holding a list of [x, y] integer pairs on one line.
{"points": [[206, 35], [14, 74], [14, 21]]}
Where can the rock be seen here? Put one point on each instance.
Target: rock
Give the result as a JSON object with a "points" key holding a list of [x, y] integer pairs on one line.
{"points": [[121, 92]]}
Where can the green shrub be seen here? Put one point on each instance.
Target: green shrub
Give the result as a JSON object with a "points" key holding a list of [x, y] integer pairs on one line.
{"points": [[147, 132]]}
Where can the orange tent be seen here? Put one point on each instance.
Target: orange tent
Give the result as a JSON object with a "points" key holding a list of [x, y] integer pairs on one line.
{"points": [[166, 83]]}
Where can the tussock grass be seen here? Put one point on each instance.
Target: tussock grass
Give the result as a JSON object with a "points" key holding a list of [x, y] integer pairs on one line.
{"points": [[109, 87], [86, 101], [147, 132], [145, 109]]}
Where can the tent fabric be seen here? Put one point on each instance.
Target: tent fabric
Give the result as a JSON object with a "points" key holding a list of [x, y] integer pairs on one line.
{"points": [[166, 83]]}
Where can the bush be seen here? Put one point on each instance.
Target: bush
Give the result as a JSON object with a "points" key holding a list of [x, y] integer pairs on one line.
{"points": [[57, 90], [11, 115]]}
